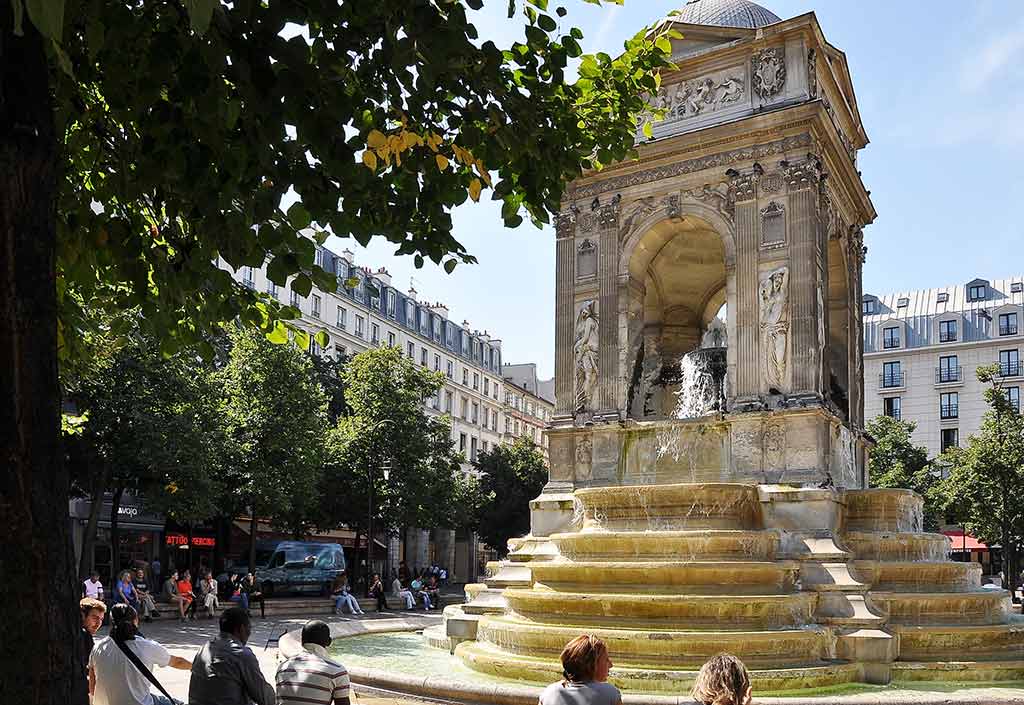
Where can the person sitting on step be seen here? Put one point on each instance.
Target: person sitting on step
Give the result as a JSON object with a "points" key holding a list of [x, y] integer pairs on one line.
{"points": [[585, 666], [723, 680], [343, 597]]}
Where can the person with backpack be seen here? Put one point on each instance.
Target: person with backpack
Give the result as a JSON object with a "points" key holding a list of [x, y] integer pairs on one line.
{"points": [[120, 666]]}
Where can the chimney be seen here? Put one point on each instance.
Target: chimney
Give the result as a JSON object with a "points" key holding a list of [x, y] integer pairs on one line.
{"points": [[412, 292], [440, 309], [384, 276], [348, 255]]}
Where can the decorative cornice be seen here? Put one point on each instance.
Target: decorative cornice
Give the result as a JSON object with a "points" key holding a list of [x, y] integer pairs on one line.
{"points": [[802, 175], [565, 225], [690, 166]]}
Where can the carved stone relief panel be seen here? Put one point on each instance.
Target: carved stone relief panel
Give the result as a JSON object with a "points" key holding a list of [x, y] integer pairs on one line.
{"points": [[585, 354], [716, 196], [773, 295], [586, 259], [773, 225], [706, 94], [812, 74], [584, 457], [768, 72], [639, 209], [775, 446], [772, 183], [565, 225]]}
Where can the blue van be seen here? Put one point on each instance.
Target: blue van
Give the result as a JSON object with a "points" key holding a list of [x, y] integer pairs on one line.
{"points": [[298, 566]]}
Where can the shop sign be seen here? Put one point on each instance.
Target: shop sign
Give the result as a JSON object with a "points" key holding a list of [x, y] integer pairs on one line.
{"points": [[197, 541]]}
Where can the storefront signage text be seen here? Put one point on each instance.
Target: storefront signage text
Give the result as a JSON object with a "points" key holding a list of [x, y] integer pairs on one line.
{"points": [[198, 541]]}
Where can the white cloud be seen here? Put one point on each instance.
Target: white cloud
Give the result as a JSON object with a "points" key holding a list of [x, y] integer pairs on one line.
{"points": [[985, 63]]}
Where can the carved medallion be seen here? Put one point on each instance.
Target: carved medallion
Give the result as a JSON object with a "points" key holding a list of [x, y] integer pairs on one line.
{"points": [[768, 69]]}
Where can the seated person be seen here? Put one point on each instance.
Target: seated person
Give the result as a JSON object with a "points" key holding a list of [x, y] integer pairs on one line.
{"points": [[433, 591], [378, 593], [146, 603], [402, 593], [723, 680], [416, 587], [343, 597], [185, 590]]}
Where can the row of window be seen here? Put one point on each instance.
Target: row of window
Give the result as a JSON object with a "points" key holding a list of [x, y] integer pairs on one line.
{"points": [[949, 409], [949, 369], [948, 331], [522, 403], [977, 291]]}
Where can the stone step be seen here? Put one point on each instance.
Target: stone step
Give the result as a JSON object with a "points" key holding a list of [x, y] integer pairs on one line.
{"points": [[849, 611], [661, 576], [920, 576], [695, 544], [938, 608], [896, 546], [949, 643]]}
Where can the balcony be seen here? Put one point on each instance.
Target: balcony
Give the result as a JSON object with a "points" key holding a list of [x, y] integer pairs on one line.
{"points": [[947, 375], [1010, 369], [892, 380], [1007, 329], [949, 411], [890, 343], [947, 336]]}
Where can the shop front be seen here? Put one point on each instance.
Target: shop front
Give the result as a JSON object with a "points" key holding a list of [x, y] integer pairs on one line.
{"points": [[140, 534]]}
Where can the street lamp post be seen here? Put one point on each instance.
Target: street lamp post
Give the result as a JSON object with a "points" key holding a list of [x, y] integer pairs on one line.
{"points": [[386, 471]]}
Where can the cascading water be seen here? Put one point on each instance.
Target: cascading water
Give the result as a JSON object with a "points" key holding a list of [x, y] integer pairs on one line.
{"points": [[701, 384]]}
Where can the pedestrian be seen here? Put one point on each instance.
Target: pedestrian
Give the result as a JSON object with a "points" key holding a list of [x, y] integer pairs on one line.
{"points": [[723, 680], [226, 671], [343, 597], [210, 600], [311, 676], [399, 591], [92, 611], [378, 592], [585, 666], [93, 586], [147, 607], [188, 607], [120, 665]]}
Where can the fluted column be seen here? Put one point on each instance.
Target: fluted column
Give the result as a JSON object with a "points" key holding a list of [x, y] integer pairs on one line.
{"points": [[748, 226], [565, 266], [608, 309], [803, 284]]}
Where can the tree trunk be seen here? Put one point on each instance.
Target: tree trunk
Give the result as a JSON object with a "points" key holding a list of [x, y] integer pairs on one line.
{"points": [[88, 559], [40, 653], [115, 534], [253, 526]]}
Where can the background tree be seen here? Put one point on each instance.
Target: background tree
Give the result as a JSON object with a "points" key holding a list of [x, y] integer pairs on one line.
{"points": [[389, 424], [275, 418], [985, 487], [897, 463], [143, 143], [510, 476]]}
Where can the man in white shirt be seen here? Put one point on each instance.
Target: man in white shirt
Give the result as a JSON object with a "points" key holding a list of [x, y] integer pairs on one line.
{"points": [[311, 676], [93, 586], [113, 679]]}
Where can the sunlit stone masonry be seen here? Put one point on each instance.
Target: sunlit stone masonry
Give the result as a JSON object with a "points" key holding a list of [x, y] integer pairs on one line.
{"points": [[707, 485]]}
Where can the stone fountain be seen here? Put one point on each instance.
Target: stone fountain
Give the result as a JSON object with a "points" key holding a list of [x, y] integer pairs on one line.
{"points": [[707, 484]]}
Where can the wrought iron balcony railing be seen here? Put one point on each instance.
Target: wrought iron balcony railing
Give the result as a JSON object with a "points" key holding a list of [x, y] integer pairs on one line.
{"points": [[949, 411], [888, 380], [944, 375]]}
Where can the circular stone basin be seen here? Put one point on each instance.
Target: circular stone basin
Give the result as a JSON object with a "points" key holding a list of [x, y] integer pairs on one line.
{"points": [[401, 661]]}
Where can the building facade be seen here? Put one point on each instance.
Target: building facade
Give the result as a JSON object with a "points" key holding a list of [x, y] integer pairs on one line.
{"points": [[367, 310], [922, 349], [529, 404]]}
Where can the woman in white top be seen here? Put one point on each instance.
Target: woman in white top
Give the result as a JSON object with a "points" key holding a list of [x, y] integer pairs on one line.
{"points": [[113, 679], [210, 600]]}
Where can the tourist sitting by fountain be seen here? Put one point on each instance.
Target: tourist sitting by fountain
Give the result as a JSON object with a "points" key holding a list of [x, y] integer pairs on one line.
{"points": [[416, 586], [378, 593], [343, 596], [723, 680], [402, 593], [433, 591], [585, 666]]}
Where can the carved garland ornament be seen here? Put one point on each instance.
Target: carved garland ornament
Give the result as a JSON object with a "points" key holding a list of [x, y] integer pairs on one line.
{"points": [[717, 196], [768, 69]]}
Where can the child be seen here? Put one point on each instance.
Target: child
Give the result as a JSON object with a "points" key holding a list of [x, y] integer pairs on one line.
{"points": [[722, 681]]}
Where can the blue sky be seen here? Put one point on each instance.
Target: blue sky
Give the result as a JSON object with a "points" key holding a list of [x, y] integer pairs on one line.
{"points": [[941, 92]]}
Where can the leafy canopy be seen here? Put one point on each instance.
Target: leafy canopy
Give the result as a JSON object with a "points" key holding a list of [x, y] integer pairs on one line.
{"points": [[510, 476], [895, 462], [184, 126]]}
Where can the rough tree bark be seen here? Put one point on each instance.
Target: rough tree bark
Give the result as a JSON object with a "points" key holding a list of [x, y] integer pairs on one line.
{"points": [[40, 649]]}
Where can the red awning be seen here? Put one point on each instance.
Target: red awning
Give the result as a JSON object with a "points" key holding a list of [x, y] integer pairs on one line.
{"points": [[959, 543]]}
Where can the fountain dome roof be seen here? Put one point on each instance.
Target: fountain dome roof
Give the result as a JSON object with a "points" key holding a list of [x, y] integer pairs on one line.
{"points": [[726, 13]]}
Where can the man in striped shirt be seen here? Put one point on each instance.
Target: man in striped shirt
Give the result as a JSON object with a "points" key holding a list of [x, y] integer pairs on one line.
{"points": [[311, 676]]}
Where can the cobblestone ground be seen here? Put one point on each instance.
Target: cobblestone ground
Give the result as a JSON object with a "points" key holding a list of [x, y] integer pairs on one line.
{"points": [[185, 640]]}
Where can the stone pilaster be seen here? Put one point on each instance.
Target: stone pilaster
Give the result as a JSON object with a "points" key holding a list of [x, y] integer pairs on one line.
{"points": [[565, 274], [608, 307], [748, 227], [805, 347]]}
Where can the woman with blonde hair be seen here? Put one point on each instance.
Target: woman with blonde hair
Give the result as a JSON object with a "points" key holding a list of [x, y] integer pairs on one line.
{"points": [[585, 666], [723, 680]]}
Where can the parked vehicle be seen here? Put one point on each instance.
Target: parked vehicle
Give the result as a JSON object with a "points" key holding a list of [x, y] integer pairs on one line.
{"points": [[297, 566]]}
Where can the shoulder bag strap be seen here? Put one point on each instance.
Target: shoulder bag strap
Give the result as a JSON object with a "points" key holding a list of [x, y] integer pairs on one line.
{"points": [[133, 657]]}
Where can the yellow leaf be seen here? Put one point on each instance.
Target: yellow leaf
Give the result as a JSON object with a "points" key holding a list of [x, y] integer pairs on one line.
{"points": [[442, 162], [411, 139], [370, 160], [482, 170], [474, 189], [433, 141], [376, 139]]}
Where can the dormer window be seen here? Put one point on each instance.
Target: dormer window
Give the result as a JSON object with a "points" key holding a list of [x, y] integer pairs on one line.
{"points": [[977, 291], [1016, 287], [869, 307], [891, 338], [942, 298], [903, 302]]}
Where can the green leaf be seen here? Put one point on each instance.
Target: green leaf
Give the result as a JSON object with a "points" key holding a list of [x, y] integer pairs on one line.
{"points": [[449, 265], [648, 130], [200, 12], [302, 285], [279, 335], [547, 23], [322, 338], [47, 16], [664, 45], [298, 216], [301, 339]]}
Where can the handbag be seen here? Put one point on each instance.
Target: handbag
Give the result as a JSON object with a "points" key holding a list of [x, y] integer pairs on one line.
{"points": [[133, 657]]}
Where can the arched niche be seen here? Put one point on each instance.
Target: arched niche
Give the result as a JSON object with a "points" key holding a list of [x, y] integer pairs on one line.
{"points": [[678, 273], [841, 323]]}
